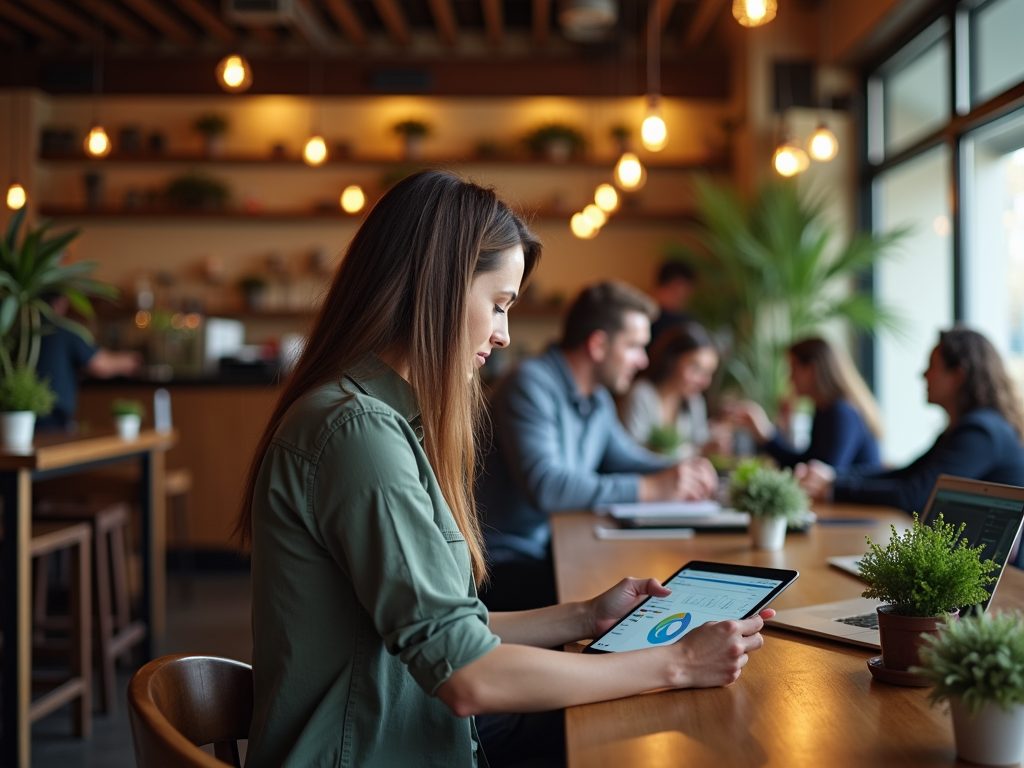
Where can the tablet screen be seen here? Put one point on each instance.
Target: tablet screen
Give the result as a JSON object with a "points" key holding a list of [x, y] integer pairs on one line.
{"points": [[697, 596]]}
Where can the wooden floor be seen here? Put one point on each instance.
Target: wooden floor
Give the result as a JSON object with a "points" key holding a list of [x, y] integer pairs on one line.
{"points": [[214, 622]]}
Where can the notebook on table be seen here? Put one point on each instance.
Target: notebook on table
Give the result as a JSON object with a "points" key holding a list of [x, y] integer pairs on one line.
{"points": [[707, 515], [992, 514]]}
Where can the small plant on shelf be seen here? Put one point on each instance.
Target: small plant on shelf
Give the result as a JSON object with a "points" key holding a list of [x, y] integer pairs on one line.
{"points": [[125, 407], [412, 128], [254, 288], [211, 124], [413, 133], [127, 417], [557, 141], [22, 390], [195, 192]]}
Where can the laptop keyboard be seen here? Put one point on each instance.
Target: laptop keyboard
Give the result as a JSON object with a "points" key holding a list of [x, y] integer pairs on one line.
{"points": [[865, 620]]}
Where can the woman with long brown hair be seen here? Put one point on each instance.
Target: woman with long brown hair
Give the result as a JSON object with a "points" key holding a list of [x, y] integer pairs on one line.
{"points": [[966, 378], [846, 424], [370, 646]]}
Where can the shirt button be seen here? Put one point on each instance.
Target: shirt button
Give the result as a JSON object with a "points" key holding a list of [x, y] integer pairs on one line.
{"points": [[419, 433]]}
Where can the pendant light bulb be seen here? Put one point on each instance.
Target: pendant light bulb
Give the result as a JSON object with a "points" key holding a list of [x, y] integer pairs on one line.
{"points": [[234, 74], [823, 145], [16, 197], [315, 151], [596, 216], [754, 13], [606, 197], [789, 159], [353, 199], [583, 227], [97, 143], [630, 174], [653, 132]]}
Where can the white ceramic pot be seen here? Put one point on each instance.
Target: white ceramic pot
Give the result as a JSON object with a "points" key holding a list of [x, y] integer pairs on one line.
{"points": [[558, 150], [412, 145], [768, 533], [992, 737], [128, 426], [16, 430]]}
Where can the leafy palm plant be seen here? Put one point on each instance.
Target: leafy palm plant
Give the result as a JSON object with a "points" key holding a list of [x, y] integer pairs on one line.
{"points": [[772, 274], [30, 273]]}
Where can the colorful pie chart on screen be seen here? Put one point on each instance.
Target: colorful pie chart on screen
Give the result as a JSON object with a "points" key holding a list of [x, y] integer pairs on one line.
{"points": [[669, 628]]}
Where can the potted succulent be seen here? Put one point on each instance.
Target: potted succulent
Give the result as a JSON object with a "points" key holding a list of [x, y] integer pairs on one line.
{"points": [[556, 141], [665, 439], [413, 133], [127, 417], [977, 665], [213, 127], [923, 576], [254, 289], [22, 397], [771, 497]]}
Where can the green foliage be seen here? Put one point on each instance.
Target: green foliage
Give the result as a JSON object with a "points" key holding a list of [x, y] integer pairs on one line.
{"points": [[252, 283], [979, 658], [412, 128], [537, 141], [927, 571], [765, 492], [771, 273], [197, 192], [665, 439], [211, 124], [21, 390], [30, 273], [125, 407], [620, 132]]}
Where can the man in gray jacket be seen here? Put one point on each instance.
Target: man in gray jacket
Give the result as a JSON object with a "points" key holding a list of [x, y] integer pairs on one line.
{"points": [[558, 444]]}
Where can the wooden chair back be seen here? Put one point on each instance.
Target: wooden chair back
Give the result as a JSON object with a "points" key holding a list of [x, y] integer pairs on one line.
{"points": [[179, 703]]}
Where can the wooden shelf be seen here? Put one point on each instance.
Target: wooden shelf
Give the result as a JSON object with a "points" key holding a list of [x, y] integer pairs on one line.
{"points": [[142, 158]]}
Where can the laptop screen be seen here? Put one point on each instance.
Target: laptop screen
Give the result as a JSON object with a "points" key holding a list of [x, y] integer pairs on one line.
{"points": [[992, 522]]}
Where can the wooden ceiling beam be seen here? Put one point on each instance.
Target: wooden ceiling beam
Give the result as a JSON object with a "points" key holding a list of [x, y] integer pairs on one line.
{"points": [[541, 22], [394, 21], [30, 23], [111, 16], [61, 16], [209, 21], [159, 18], [311, 27], [444, 18], [494, 21], [345, 17], [703, 19]]}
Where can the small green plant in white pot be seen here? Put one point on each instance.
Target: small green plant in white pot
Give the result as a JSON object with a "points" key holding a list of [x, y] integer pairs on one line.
{"points": [[22, 397], [977, 665], [771, 497], [127, 418], [923, 575]]}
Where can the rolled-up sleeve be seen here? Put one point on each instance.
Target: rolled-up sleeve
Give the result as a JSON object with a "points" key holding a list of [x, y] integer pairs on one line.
{"points": [[372, 510]]}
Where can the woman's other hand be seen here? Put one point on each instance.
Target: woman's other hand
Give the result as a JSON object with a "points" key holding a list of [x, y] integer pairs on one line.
{"points": [[816, 478], [751, 416], [714, 653], [609, 607]]}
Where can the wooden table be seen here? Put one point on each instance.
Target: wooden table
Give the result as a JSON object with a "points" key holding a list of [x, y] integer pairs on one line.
{"points": [[56, 456], [800, 702]]}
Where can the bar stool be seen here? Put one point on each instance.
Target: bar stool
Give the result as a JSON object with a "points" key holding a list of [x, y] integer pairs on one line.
{"points": [[76, 687], [116, 632]]}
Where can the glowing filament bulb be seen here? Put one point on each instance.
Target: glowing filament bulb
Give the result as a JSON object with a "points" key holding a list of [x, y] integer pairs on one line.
{"points": [[582, 227], [353, 199], [97, 143], [315, 151], [754, 13], [596, 215], [234, 73], [653, 132], [606, 197], [790, 160], [629, 173], [823, 144], [16, 197]]}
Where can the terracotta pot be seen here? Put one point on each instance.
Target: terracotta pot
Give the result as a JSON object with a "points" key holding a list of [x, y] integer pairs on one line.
{"points": [[901, 636]]}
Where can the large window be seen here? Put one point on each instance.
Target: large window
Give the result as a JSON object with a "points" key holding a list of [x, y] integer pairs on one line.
{"points": [[916, 89], [997, 46]]}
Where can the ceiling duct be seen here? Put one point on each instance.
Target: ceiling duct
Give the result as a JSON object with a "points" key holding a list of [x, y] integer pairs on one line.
{"points": [[587, 21], [287, 13]]}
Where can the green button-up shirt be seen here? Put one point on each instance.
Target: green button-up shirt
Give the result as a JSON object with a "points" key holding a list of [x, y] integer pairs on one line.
{"points": [[363, 595]]}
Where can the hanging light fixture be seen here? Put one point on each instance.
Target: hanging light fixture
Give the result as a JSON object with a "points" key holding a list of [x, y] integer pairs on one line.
{"points": [[315, 151], [16, 197], [823, 144], [353, 199], [606, 197], [653, 132], [234, 74], [583, 227], [596, 216], [97, 143], [790, 159], [754, 13], [630, 174]]}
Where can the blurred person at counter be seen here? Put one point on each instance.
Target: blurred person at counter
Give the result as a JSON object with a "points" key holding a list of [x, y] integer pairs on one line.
{"points": [[673, 289], [63, 356], [558, 444]]}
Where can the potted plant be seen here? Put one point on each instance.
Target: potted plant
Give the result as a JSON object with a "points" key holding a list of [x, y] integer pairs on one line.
{"points": [[195, 192], [922, 576], [620, 134], [556, 141], [665, 439], [977, 665], [413, 133], [127, 417], [254, 289], [213, 127], [771, 497], [22, 397]]}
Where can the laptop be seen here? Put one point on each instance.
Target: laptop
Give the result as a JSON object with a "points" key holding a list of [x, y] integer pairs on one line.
{"points": [[993, 515]]}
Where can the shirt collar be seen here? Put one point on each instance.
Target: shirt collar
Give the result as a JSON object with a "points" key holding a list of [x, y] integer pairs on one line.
{"points": [[378, 379], [582, 403]]}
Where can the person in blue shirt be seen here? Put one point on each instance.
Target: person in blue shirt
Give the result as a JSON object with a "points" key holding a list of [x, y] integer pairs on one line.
{"points": [[558, 444], [966, 378], [846, 424]]}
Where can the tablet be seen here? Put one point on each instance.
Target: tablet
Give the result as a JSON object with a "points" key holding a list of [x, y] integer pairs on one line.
{"points": [[701, 592]]}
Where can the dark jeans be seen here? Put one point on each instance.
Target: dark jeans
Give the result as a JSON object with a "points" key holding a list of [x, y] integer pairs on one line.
{"points": [[534, 740], [520, 586]]}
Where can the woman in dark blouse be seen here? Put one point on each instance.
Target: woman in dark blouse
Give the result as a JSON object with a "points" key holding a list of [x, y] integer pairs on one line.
{"points": [[846, 422], [966, 378]]}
